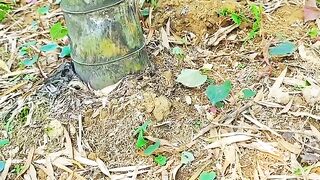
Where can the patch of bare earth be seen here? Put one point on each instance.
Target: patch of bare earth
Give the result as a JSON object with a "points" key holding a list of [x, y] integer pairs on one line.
{"points": [[71, 132]]}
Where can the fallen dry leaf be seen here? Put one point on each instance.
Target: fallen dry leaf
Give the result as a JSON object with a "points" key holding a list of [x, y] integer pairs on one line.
{"points": [[311, 11], [4, 66], [294, 148], [311, 94], [103, 167], [228, 140], [220, 35]]}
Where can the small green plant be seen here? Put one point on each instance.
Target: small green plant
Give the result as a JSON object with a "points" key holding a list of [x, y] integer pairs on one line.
{"points": [[57, 31], [4, 10], [24, 113], [141, 142], [313, 32], [17, 168], [256, 11], [178, 53], [154, 3], [160, 160], [236, 17]]}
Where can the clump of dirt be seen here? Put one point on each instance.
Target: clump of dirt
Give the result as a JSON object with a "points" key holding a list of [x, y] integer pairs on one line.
{"points": [[199, 17], [291, 20]]}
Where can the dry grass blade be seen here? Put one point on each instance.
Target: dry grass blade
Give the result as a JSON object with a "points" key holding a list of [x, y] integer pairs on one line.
{"points": [[259, 124], [296, 149], [228, 140], [63, 167], [163, 142], [305, 114], [263, 147], [169, 163], [315, 131], [27, 164], [31, 174], [277, 83], [49, 168], [198, 171], [19, 72], [220, 35], [127, 176], [129, 168], [6, 169], [79, 137], [103, 167], [69, 148], [287, 107], [175, 171], [4, 66], [164, 38], [14, 88], [229, 118]]}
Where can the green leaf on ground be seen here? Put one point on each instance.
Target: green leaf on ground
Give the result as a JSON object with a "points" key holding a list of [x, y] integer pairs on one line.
{"points": [[57, 31], [283, 49], [65, 51], [143, 127], [191, 78], [160, 160], [207, 175], [152, 148], [248, 93], [43, 10], [49, 47], [30, 61], [4, 142], [186, 157], [217, 93], [141, 142]]}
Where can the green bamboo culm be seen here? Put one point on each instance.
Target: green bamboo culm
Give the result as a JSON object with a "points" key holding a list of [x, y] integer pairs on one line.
{"points": [[107, 42]]}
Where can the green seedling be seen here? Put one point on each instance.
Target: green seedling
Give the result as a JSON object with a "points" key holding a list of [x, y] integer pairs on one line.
{"points": [[160, 160], [5, 9], [256, 11], [17, 168], [141, 142], [24, 113], [313, 32], [236, 17], [178, 53]]}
